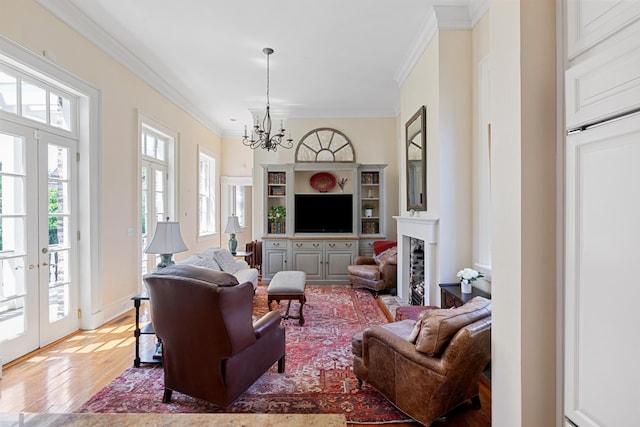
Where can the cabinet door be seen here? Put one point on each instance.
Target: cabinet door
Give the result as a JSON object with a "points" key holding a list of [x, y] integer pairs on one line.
{"points": [[337, 263], [275, 260], [308, 261], [602, 233]]}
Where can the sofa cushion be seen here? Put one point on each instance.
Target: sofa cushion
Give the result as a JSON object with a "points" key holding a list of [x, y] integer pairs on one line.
{"points": [[226, 261], [199, 273], [439, 326], [201, 260], [247, 275]]}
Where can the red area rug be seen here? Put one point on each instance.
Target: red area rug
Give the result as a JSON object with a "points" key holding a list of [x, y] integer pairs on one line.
{"points": [[318, 376]]}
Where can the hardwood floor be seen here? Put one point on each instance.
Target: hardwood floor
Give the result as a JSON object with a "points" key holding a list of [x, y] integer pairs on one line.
{"points": [[62, 376]]}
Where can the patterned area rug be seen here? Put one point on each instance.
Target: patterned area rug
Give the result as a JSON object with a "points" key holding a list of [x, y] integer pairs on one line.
{"points": [[318, 376]]}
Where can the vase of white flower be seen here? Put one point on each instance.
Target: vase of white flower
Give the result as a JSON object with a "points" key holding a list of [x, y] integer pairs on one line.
{"points": [[467, 276]]}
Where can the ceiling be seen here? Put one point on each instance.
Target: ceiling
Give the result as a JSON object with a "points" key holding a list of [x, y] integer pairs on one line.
{"points": [[333, 58]]}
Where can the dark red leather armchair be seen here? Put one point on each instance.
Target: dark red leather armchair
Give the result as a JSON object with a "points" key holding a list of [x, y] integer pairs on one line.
{"points": [[212, 349]]}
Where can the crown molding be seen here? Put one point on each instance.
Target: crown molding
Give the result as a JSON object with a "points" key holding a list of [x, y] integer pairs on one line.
{"points": [[441, 18], [477, 9], [80, 22], [452, 17], [417, 48]]}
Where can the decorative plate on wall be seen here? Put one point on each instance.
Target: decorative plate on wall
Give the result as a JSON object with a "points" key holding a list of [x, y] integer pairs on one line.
{"points": [[323, 181]]}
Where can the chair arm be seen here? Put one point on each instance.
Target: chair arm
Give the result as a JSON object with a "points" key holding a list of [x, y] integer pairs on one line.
{"points": [[267, 323], [389, 272], [364, 260], [376, 335]]}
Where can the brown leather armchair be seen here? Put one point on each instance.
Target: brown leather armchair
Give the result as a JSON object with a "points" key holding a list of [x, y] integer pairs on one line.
{"points": [[430, 366], [376, 273], [212, 349]]}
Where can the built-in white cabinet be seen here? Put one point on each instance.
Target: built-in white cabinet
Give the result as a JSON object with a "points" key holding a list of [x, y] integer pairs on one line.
{"points": [[601, 207], [274, 258], [590, 22], [371, 200], [336, 189], [324, 260]]}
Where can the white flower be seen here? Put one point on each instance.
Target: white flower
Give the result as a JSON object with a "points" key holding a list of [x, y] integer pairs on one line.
{"points": [[468, 275]]}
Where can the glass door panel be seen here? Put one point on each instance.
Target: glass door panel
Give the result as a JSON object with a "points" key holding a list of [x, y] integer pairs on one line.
{"points": [[38, 292], [18, 274]]}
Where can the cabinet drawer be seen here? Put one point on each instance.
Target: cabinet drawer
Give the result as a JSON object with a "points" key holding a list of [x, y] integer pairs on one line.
{"points": [[307, 244], [275, 244], [340, 245]]}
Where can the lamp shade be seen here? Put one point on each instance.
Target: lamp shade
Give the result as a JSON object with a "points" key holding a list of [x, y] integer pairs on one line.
{"points": [[233, 225], [166, 239]]}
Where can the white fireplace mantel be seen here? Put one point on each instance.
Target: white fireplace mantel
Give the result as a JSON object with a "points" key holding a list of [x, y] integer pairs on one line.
{"points": [[425, 229]]}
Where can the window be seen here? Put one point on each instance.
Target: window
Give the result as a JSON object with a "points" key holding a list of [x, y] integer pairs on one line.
{"points": [[33, 100], [207, 194], [235, 191], [157, 183], [238, 203]]}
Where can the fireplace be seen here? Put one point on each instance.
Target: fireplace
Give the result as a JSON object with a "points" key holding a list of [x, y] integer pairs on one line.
{"points": [[416, 271], [417, 260]]}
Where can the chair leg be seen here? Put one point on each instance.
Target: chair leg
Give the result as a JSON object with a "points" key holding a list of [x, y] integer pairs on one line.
{"points": [[359, 384], [475, 402], [281, 365], [167, 395]]}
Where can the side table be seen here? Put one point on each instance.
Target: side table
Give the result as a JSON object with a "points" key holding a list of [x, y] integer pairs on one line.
{"points": [[451, 295], [155, 356]]}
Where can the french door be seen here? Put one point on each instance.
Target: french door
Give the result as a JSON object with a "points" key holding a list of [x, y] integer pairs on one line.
{"points": [[38, 259]]}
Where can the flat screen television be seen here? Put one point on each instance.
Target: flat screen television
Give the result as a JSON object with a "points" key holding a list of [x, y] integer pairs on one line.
{"points": [[324, 213]]}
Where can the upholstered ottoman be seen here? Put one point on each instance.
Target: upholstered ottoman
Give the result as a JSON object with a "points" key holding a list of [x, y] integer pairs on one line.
{"points": [[288, 285]]}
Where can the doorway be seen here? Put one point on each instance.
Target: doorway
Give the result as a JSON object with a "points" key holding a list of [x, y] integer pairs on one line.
{"points": [[38, 238]]}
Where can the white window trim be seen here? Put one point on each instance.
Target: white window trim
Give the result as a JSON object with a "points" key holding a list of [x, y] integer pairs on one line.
{"points": [[89, 134], [173, 162], [226, 183], [218, 224]]}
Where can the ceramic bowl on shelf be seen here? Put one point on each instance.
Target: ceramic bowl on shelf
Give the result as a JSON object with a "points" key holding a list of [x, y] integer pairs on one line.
{"points": [[322, 181]]}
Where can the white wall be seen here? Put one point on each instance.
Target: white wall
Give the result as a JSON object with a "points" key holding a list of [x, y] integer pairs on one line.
{"points": [[522, 42], [442, 81]]}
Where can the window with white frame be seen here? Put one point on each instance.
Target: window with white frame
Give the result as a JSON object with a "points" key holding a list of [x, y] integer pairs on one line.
{"points": [[206, 194], [238, 204], [157, 180], [234, 197], [29, 98]]}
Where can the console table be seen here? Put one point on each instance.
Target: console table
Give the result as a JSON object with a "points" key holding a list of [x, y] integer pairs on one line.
{"points": [[156, 355], [451, 295]]}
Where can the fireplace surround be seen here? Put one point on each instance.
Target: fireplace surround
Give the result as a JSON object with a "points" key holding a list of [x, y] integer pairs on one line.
{"points": [[423, 232]]}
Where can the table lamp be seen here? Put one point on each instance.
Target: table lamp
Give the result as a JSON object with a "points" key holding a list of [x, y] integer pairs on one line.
{"points": [[232, 228], [166, 241]]}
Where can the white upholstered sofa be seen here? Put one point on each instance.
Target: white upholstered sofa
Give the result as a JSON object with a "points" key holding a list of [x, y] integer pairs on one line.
{"points": [[220, 259]]}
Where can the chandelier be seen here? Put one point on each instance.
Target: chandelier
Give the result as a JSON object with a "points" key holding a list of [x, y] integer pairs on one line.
{"points": [[261, 135]]}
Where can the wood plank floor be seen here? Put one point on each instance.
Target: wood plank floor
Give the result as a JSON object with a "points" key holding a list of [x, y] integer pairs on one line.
{"points": [[62, 376]]}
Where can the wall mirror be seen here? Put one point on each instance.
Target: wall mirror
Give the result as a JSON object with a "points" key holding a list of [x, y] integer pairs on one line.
{"points": [[417, 160]]}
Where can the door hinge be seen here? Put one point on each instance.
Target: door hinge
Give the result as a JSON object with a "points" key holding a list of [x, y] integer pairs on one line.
{"points": [[79, 313], [78, 157], [78, 235]]}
